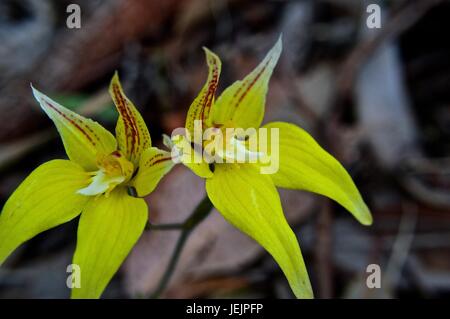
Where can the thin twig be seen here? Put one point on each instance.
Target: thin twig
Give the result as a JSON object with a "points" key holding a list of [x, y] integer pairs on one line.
{"points": [[420, 191], [172, 264], [164, 226], [198, 215], [401, 247]]}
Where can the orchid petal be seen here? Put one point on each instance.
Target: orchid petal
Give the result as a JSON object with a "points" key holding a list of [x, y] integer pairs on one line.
{"points": [[186, 154], [83, 138], [109, 227], [303, 164], [37, 205], [250, 201], [131, 131], [200, 108], [243, 103], [154, 164]]}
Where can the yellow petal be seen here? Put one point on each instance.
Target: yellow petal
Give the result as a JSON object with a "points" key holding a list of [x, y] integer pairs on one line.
{"points": [[109, 227], [131, 131], [154, 164], [45, 199], [200, 108], [244, 101], [250, 202], [187, 155], [83, 138], [303, 164]]}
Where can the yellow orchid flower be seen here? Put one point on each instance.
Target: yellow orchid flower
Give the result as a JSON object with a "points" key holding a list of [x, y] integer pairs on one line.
{"points": [[95, 182], [245, 196]]}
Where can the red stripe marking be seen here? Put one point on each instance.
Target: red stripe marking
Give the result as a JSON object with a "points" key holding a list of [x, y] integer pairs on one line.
{"points": [[249, 87], [210, 93], [161, 160], [129, 122], [156, 159], [71, 121]]}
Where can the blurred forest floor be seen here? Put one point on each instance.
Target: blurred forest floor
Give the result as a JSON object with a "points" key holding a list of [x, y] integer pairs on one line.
{"points": [[377, 99]]}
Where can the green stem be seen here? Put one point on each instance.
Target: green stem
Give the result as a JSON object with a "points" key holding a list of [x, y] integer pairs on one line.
{"points": [[164, 226], [198, 215]]}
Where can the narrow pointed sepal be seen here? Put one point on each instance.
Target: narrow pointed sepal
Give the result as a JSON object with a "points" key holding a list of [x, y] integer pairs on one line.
{"points": [[305, 165], [250, 201], [131, 131], [201, 106], [83, 138], [45, 199], [109, 227], [243, 103]]}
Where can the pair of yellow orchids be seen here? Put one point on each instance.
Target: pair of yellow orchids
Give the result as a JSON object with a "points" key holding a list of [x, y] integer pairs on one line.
{"points": [[102, 169]]}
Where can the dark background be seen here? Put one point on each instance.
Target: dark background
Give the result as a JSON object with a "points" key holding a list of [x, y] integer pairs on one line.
{"points": [[377, 99]]}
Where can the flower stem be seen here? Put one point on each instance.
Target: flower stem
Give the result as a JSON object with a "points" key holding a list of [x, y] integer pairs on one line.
{"points": [[198, 215], [164, 226]]}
